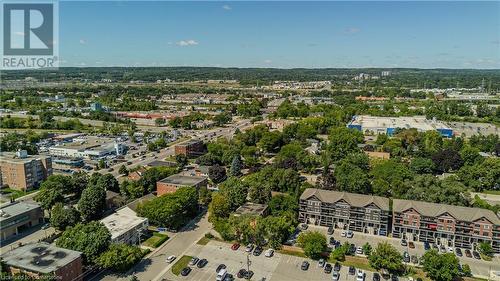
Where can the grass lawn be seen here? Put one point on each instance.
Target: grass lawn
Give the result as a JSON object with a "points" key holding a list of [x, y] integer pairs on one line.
{"points": [[156, 240], [292, 253], [180, 264], [358, 262], [494, 192], [14, 193], [203, 241]]}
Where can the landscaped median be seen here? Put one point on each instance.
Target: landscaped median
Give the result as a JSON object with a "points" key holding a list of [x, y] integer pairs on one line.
{"points": [[180, 264], [156, 240]]}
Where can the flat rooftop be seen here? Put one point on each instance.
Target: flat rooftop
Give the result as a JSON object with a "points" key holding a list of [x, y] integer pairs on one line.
{"points": [[159, 163], [10, 210], [40, 257], [122, 221], [417, 122], [86, 143], [12, 158], [250, 208], [179, 179]]}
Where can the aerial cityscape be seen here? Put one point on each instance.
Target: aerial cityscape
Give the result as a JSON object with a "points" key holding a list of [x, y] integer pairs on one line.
{"points": [[250, 140]]}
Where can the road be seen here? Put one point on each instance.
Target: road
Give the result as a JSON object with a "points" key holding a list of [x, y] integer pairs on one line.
{"points": [[153, 267]]}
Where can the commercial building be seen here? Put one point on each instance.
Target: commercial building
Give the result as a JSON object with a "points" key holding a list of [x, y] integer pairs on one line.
{"points": [[17, 217], [250, 208], [172, 183], [356, 212], [89, 148], [388, 125], [446, 225], [40, 259], [125, 226], [22, 171], [192, 148]]}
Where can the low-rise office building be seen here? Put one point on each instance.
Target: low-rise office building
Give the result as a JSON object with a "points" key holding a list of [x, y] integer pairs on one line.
{"points": [[88, 148], [17, 217], [174, 182], [41, 259], [446, 225], [22, 171], [125, 226], [350, 211], [192, 148]]}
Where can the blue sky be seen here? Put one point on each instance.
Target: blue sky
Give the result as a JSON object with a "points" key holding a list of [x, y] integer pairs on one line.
{"points": [[280, 34]]}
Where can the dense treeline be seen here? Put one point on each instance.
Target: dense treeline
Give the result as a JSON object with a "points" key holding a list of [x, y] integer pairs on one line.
{"points": [[430, 78]]}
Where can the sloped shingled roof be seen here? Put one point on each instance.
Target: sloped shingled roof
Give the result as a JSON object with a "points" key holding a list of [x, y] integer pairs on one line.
{"points": [[356, 200], [434, 210]]}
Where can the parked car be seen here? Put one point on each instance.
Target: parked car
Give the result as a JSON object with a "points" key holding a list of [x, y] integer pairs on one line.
{"points": [[427, 246], [404, 243], [450, 249], [335, 276], [235, 246], [468, 253], [248, 275], [442, 249], [350, 234], [328, 268], [241, 273], [185, 271], [249, 248], [376, 277], [352, 249], [359, 251], [458, 252], [220, 267], [305, 265], [411, 245], [269, 253], [360, 276], [336, 266], [352, 270], [332, 241], [476, 255], [257, 251], [304, 226], [194, 261], [330, 230], [321, 263], [202, 263], [170, 259], [343, 233]]}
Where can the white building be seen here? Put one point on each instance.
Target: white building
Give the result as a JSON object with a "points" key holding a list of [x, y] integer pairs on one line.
{"points": [[125, 226], [89, 148]]}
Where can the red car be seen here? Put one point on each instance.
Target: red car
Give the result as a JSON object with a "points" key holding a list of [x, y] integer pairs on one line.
{"points": [[235, 246]]}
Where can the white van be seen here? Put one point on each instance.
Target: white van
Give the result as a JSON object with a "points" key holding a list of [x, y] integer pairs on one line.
{"points": [[221, 275]]}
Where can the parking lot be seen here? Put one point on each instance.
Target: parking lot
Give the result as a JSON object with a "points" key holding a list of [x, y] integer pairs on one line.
{"points": [[277, 268]]}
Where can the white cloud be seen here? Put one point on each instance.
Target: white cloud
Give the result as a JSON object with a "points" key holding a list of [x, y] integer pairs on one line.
{"points": [[268, 61], [184, 43], [83, 41], [226, 7], [352, 30]]}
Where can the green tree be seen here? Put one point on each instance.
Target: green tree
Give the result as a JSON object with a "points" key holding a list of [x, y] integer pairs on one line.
{"points": [[219, 207], [386, 256], [62, 217], [421, 165], [341, 142], [91, 239], [235, 191], [313, 243], [119, 257], [217, 173], [351, 178], [485, 249], [236, 166], [338, 254], [92, 203], [440, 267], [123, 170], [181, 160], [367, 249]]}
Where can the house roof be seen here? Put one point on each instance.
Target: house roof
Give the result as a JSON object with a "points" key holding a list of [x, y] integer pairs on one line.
{"points": [[356, 200], [181, 180], [434, 210]]}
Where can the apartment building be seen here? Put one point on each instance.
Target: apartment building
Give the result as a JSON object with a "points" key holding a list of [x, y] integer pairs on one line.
{"points": [[446, 225], [125, 226], [41, 259], [174, 182], [356, 212], [192, 148], [22, 171]]}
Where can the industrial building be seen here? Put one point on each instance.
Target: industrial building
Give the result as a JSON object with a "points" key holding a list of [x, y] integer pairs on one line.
{"points": [[125, 226], [387, 125], [22, 171], [174, 182], [89, 148], [16, 217], [40, 259], [192, 148]]}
